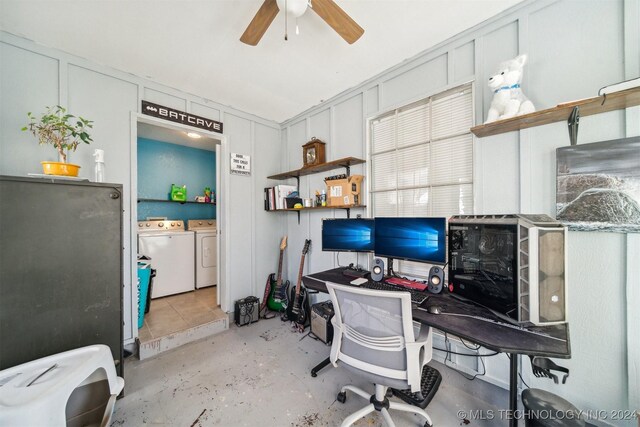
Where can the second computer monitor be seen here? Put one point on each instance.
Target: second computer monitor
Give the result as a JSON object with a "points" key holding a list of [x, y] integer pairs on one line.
{"points": [[348, 235], [414, 239]]}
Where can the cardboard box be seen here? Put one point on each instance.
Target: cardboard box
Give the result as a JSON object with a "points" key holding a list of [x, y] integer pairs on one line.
{"points": [[344, 192]]}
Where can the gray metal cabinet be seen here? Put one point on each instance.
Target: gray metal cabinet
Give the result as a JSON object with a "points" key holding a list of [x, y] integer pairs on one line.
{"points": [[60, 267]]}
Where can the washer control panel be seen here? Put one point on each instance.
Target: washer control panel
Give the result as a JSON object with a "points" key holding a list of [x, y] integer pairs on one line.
{"points": [[160, 225]]}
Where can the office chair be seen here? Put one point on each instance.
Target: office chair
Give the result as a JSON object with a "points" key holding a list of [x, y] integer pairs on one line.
{"points": [[375, 337]]}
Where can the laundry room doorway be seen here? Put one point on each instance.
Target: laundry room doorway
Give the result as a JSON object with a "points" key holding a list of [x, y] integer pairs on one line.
{"points": [[178, 201]]}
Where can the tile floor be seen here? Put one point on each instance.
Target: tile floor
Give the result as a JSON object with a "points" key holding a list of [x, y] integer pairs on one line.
{"points": [[177, 313], [259, 375]]}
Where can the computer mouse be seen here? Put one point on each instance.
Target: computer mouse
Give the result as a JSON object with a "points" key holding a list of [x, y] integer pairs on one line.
{"points": [[434, 309]]}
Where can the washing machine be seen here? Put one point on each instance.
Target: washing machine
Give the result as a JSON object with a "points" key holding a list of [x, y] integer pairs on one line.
{"points": [[206, 251], [170, 248]]}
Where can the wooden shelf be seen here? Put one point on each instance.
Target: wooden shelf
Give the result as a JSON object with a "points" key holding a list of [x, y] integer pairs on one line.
{"points": [[561, 112], [319, 207], [191, 202], [347, 162]]}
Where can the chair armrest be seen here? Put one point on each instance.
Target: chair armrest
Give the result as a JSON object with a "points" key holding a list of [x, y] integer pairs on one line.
{"points": [[419, 353]]}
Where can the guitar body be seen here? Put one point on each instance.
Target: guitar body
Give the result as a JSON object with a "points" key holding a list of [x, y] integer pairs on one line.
{"points": [[298, 308], [301, 304], [278, 298], [275, 294]]}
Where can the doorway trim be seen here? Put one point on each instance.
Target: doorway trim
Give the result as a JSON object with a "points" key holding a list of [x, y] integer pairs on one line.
{"points": [[222, 208]]}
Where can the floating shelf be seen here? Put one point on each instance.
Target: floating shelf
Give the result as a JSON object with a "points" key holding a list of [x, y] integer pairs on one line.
{"points": [[180, 203], [561, 112], [347, 162], [319, 207]]}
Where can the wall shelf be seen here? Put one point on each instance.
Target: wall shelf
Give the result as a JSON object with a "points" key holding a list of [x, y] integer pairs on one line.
{"points": [[347, 207], [191, 202], [347, 162], [585, 107]]}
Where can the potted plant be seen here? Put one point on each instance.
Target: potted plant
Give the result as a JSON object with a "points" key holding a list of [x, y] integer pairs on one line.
{"points": [[62, 130]]}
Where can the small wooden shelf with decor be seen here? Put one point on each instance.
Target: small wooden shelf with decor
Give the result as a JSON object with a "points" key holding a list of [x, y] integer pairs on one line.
{"points": [[569, 111], [346, 163]]}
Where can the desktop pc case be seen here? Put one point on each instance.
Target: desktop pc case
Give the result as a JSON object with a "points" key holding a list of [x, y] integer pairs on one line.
{"points": [[512, 264]]}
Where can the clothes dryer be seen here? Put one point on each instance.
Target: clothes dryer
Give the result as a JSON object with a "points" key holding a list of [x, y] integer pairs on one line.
{"points": [[206, 251]]}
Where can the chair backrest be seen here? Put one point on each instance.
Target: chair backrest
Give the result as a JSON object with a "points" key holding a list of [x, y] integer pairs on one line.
{"points": [[372, 329]]}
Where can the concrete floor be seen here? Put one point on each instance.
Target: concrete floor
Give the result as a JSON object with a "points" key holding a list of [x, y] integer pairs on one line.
{"points": [[258, 375]]}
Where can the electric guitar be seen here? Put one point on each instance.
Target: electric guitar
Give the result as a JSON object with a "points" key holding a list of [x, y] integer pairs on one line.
{"points": [[277, 300], [297, 311]]}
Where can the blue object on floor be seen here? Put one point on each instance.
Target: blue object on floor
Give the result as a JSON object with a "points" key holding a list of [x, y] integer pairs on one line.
{"points": [[144, 276]]}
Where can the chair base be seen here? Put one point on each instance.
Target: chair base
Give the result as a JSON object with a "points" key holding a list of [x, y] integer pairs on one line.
{"points": [[378, 402]]}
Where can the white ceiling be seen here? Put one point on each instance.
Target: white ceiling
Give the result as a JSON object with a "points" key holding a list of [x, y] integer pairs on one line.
{"points": [[193, 45]]}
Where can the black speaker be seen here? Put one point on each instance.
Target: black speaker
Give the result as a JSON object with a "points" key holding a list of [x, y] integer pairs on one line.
{"points": [[247, 310], [436, 280], [377, 272], [321, 327]]}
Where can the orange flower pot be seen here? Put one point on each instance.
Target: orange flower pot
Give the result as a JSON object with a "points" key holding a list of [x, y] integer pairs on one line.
{"points": [[59, 168]]}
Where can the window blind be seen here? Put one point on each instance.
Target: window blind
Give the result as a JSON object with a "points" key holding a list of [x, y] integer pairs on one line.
{"points": [[421, 158]]}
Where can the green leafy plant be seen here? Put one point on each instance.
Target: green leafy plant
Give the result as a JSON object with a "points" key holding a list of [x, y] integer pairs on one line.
{"points": [[57, 127]]}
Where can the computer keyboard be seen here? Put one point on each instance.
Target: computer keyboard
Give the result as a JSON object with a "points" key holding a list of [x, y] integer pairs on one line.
{"points": [[417, 297], [406, 283]]}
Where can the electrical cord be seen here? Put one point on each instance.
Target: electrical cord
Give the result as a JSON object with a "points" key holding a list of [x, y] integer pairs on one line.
{"points": [[521, 379], [465, 376]]}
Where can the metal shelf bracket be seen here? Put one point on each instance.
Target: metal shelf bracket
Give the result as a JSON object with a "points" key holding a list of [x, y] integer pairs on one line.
{"points": [[573, 122]]}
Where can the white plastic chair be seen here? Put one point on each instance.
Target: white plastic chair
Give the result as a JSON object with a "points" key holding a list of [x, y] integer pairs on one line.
{"points": [[36, 393], [375, 337]]}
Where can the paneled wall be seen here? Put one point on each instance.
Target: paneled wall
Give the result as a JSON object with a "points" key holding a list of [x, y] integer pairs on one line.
{"points": [[33, 76], [574, 48]]}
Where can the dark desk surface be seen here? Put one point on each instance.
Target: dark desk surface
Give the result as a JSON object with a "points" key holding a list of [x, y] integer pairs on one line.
{"points": [[473, 323]]}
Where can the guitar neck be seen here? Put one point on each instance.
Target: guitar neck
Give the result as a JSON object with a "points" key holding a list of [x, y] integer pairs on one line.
{"points": [[300, 277], [279, 279]]}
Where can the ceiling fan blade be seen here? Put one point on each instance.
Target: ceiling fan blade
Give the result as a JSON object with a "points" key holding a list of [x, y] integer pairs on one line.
{"points": [[259, 24], [338, 19]]}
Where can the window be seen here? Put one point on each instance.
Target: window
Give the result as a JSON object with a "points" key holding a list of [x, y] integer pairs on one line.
{"points": [[421, 158]]}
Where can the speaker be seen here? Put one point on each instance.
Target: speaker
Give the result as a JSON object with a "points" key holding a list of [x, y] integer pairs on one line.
{"points": [[321, 327], [436, 280], [377, 272], [247, 310]]}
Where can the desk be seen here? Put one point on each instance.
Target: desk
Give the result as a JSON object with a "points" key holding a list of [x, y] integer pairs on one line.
{"points": [[474, 324]]}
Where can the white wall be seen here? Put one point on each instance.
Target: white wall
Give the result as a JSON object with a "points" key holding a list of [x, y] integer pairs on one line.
{"points": [[574, 48], [33, 76]]}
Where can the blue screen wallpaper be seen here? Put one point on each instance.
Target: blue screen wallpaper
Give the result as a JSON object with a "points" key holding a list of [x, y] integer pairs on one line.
{"points": [[416, 239], [348, 235]]}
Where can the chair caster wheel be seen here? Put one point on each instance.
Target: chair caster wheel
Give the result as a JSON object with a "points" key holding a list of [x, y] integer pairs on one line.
{"points": [[313, 374], [426, 424], [342, 397], [389, 393]]}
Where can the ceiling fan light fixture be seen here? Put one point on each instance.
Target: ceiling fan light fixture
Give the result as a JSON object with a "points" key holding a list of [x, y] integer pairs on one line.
{"points": [[297, 8]]}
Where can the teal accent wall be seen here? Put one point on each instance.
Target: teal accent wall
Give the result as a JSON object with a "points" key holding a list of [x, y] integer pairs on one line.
{"points": [[161, 164]]}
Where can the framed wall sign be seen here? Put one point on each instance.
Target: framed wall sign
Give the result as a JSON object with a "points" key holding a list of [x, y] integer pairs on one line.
{"points": [[177, 116], [240, 164]]}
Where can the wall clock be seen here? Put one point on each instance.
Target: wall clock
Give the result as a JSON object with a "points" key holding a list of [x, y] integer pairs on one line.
{"points": [[313, 152]]}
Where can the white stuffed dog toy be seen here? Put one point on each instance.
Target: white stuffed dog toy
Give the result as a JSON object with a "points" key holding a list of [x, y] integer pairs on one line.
{"points": [[508, 99]]}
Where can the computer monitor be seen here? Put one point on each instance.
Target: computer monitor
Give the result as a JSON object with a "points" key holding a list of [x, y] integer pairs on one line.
{"points": [[348, 235], [412, 239]]}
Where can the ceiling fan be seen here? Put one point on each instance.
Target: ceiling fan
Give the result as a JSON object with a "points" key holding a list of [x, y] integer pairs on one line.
{"points": [[328, 10]]}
